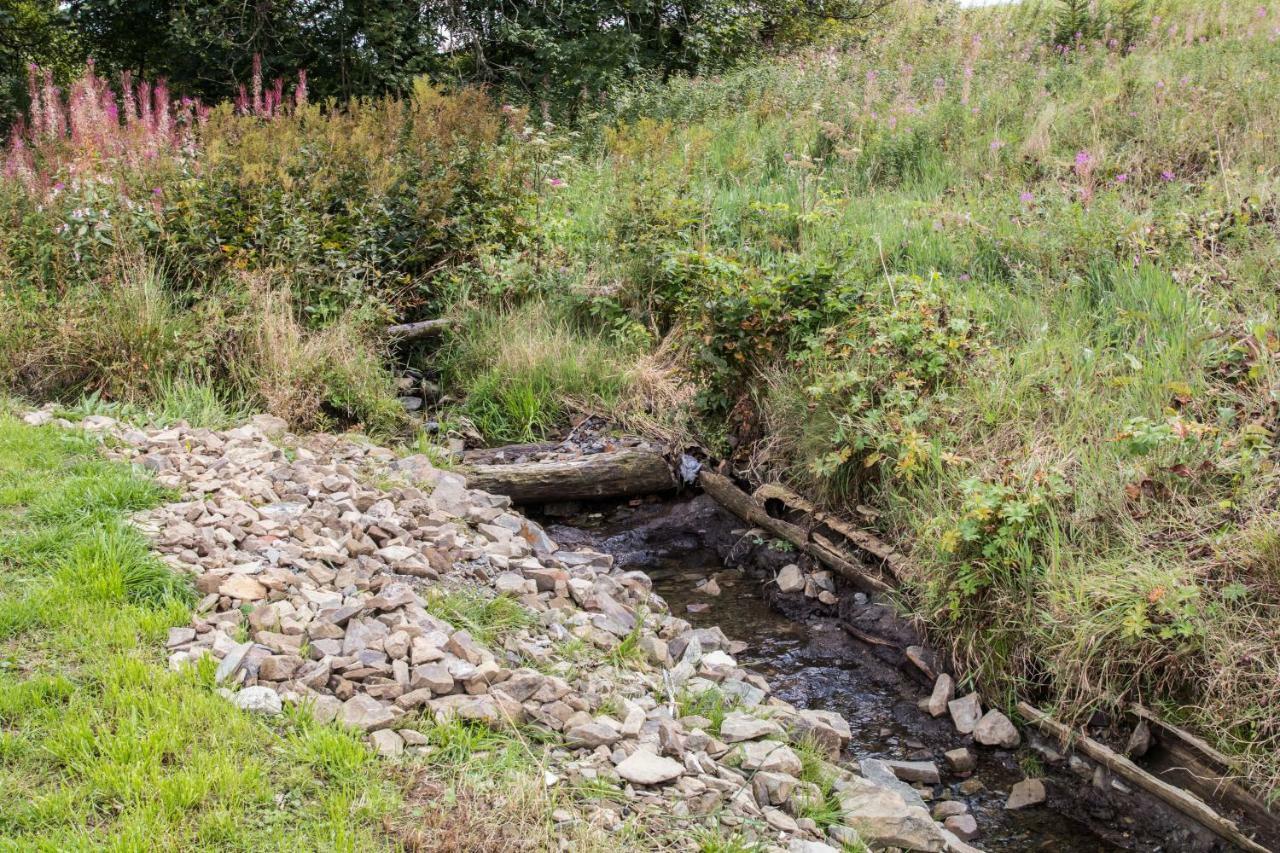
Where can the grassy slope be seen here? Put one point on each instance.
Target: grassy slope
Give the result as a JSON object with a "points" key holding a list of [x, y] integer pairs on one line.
{"points": [[101, 745], [1083, 467]]}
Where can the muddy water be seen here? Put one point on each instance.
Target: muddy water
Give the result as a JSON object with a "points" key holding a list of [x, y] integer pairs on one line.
{"points": [[811, 662]]}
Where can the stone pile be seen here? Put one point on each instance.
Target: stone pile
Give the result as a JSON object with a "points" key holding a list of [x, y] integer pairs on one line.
{"points": [[820, 585], [322, 564]]}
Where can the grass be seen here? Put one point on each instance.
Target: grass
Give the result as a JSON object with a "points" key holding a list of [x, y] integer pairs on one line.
{"points": [[710, 704], [488, 620], [103, 746]]}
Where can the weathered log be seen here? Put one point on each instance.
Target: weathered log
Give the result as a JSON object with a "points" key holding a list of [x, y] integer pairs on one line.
{"points": [[868, 542], [753, 512], [1181, 800], [622, 473], [420, 329]]}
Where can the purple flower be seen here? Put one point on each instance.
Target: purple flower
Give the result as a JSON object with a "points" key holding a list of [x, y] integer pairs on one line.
{"points": [[1166, 175], [1121, 178], [59, 186], [997, 144], [1083, 159], [1026, 197], [157, 191], [556, 182]]}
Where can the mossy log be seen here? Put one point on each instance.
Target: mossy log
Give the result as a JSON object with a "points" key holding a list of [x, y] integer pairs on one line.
{"points": [[622, 473]]}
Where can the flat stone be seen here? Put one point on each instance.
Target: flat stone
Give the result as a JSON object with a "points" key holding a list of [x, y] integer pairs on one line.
{"points": [[1139, 741], [881, 818], [365, 712], [243, 587], [965, 713], [259, 700], [947, 808], [995, 729], [591, 735], [915, 771], [231, 662], [827, 729], [1024, 794], [644, 768], [770, 755], [738, 727]]}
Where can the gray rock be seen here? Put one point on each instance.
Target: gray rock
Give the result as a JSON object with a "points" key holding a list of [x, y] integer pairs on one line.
{"points": [[965, 826], [365, 712], [387, 743], [995, 729], [960, 760], [644, 768], [965, 713], [915, 771], [790, 579], [738, 727], [591, 735], [770, 755], [1024, 794], [259, 700], [827, 729], [881, 818], [1139, 741], [231, 662], [944, 690]]}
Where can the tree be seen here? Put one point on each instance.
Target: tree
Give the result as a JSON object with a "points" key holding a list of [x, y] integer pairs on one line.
{"points": [[32, 32]]}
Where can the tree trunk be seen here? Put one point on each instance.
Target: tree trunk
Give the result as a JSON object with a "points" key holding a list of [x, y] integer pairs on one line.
{"points": [[625, 472]]}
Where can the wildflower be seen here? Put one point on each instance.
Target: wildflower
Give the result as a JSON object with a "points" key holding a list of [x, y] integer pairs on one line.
{"points": [[997, 144], [556, 182], [1026, 197], [1166, 175], [157, 191], [1122, 178], [1084, 160]]}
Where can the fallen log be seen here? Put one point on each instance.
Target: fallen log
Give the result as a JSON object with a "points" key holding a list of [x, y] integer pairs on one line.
{"points": [[869, 542], [420, 329], [752, 511], [622, 473], [1179, 799]]}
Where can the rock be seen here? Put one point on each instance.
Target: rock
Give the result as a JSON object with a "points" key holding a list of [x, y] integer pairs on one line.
{"points": [[969, 787], [770, 755], [231, 662], [948, 808], [772, 789], [243, 587], [387, 743], [790, 579], [365, 712], [827, 729], [963, 825], [960, 760], [881, 818], [642, 767], [965, 713], [591, 735], [1024, 794], [995, 729], [259, 700], [915, 771], [944, 690], [1139, 741], [738, 727], [803, 845]]}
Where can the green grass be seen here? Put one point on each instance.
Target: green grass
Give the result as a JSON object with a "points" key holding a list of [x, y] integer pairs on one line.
{"points": [[710, 703], [488, 620], [101, 746]]}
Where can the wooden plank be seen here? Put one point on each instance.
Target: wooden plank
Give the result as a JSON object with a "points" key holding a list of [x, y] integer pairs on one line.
{"points": [[1187, 803], [420, 329]]}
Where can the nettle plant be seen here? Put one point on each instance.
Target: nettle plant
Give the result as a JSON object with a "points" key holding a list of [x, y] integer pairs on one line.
{"points": [[900, 352]]}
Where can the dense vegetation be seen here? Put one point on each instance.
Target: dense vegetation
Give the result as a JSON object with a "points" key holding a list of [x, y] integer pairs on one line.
{"points": [[1001, 278]]}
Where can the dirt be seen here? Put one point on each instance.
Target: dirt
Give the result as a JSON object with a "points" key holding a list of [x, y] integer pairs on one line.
{"points": [[810, 661]]}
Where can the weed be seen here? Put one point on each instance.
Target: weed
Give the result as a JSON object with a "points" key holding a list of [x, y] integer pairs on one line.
{"points": [[489, 620]]}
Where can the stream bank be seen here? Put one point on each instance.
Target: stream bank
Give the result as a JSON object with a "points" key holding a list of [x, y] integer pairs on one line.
{"points": [[810, 659]]}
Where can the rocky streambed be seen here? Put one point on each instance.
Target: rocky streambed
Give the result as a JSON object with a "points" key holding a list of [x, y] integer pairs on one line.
{"points": [[325, 566]]}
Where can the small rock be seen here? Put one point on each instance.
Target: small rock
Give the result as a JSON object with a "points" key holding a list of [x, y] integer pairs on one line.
{"points": [[1139, 741], [770, 755], [243, 587], [969, 787], [915, 771], [259, 700], [738, 727], [944, 690], [948, 808], [963, 825], [995, 729], [365, 712], [790, 579], [387, 743], [1028, 792], [644, 768], [965, 713], [960, 760]]}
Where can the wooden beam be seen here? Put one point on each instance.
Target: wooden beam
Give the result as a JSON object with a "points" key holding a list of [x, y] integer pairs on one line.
{"points": [[1187, 803], [622, 473], [420, 329]]}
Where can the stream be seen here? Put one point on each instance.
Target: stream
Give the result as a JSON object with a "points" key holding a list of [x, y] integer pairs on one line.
{"points": [[811, 662]]}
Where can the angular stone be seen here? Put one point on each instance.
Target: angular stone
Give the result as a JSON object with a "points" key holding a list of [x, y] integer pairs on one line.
{"points": [[773, 789], [387, 743], [644, 768], [960, 760], [242, 587], [915, 771], [790, 579], [965, 712], [944, 690], [231, 662], [365, 712], [827, 729], [1024, 794], [738, 727], [770, 755], [259, 700], [591, 735], [882, 818], [963, 825], [995, 729]]}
